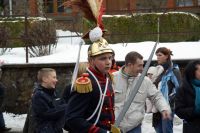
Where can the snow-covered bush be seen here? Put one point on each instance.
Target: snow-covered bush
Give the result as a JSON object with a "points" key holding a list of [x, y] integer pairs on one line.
{"points": [[41, 38], [40, 34], [138, 27], [36, 51], [4, 37]]}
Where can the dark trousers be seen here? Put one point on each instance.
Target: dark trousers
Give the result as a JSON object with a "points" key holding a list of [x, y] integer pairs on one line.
{"points": [[165, 126], [137, 129], [2, 122]]}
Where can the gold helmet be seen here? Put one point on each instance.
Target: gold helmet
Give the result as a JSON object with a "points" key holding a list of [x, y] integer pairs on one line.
{"points": [[99, 47]]}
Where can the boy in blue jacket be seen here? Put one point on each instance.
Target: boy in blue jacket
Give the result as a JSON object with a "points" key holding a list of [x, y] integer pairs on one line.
{"points": [[47, 109]]}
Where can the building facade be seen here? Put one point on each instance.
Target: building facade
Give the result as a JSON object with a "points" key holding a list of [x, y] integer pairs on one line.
{"points": [[55, 7]]}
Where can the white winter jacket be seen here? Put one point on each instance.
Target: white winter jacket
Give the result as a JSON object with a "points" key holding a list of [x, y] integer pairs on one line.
{"points": [[123, 84]]}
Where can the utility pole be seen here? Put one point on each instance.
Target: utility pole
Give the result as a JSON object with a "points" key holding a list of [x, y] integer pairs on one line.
{"points": [[10, 7], [26, 28]]}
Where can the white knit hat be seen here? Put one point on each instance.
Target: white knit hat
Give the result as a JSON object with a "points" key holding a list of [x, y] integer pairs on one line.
{"points": [[155, 71], [152, 70]]}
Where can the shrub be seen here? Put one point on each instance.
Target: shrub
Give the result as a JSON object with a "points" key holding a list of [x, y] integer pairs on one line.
{"points": [[174, 27], [40, 36], [40, 31]]}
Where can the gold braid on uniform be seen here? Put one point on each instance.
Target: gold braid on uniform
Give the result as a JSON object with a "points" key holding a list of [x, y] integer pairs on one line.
{"points": [[115, 129], [111, 77], [83, 84]]}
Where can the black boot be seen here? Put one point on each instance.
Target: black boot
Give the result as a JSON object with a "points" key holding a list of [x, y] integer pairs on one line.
{"points": [[4, 129]]}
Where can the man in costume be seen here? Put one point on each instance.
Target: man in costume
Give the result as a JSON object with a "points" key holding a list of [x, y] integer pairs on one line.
{"points": [[91, 104]]}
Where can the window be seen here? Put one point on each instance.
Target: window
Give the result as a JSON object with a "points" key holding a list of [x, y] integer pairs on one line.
{"points": [[54, 6], [188, 3], [48, 6], [60, 6], [182, 3]]}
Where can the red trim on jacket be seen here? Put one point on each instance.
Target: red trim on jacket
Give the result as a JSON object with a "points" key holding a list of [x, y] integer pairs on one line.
{"points": [[101, 77], [93, 129]]}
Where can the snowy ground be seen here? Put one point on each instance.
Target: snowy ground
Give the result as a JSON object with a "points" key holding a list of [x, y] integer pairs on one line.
{"points": [[16, 122], [67, 51], [147, 125]]}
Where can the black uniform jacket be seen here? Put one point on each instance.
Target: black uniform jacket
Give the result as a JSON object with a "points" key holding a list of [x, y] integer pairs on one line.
{"points": [[185, 108], [82, 105]]}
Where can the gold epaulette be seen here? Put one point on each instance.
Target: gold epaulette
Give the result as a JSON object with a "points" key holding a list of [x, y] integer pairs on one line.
{"points": [[115, 129], [111, 76], [83, 84]]}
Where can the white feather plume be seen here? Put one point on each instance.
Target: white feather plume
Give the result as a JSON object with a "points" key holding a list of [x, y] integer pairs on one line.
{"points": [[95, 34]]}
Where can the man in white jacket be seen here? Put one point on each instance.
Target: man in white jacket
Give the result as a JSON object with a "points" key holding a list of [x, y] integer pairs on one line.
{"points": [[124, 82]]}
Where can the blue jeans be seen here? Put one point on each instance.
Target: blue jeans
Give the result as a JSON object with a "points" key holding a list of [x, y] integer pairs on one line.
{"points": [[136, 129], [2, 122], [165, 126]]}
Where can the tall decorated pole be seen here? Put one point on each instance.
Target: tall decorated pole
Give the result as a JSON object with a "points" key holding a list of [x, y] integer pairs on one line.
{"points": [[92, 11]]}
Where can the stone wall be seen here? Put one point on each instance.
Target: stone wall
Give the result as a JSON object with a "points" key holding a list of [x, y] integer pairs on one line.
{"points": [[19, 81]]}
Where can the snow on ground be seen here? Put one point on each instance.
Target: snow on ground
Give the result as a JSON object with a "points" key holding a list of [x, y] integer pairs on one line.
{"points": [[147, 124], [16, 122]]}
